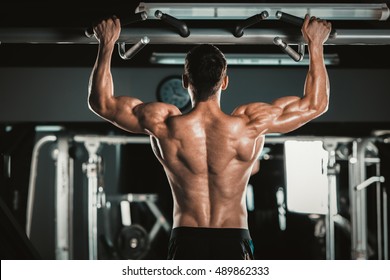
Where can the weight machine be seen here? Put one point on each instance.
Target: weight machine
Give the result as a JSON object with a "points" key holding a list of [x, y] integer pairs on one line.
{"points": [[133, 241]]}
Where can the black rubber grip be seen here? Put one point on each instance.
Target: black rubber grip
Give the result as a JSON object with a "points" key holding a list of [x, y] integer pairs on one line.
{"points": [[290, 19], [124, 21], [239, 30], [181, 26], [299, 21]]}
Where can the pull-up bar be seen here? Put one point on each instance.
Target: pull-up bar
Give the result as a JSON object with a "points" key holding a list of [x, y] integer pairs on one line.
{"points": [[198, 35], [254, 13], [244, 14], [239, 11]]}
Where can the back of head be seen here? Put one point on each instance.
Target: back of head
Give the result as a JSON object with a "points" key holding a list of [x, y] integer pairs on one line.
{"points": [[205, 67]]}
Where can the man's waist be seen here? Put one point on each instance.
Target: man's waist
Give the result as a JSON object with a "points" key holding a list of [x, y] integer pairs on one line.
{"points": [[210, 232]]}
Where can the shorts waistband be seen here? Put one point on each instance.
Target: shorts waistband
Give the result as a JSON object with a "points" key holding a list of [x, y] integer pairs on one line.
{"points": [[203, 232]]}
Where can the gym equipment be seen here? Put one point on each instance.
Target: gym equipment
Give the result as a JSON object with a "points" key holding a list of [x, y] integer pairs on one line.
{"points": [[239, 11], [133, 242], [143, 239], [178, 24], [130, 53], [124, 22], [97, 198], [63, 194], [357, 161], [175, 13], [239, 30], [296, 56], [361, 155], [298, 21]]}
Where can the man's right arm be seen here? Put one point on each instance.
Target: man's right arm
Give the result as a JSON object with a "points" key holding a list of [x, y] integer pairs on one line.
{"points": [[127, 112], [289, 113]]}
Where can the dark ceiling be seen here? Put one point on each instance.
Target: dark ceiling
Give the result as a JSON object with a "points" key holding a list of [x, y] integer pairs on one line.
{"points": [[70, 14]]}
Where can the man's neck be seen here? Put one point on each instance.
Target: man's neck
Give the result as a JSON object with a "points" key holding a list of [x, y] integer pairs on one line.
{"points": [[210, 104]]}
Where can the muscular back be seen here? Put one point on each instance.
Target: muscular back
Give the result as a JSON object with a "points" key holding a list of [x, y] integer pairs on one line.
{"points": [[208, 157]]}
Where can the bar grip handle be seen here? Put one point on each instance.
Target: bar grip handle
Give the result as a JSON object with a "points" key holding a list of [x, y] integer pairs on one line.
{"points": [[127, 20], [296, 56], [239, 30], [299, 21], [289, 18], [178, 24], [130, 53]]}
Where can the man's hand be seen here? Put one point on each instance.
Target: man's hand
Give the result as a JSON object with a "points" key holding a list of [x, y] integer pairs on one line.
{"points": [[107, 31], [315, 30]]}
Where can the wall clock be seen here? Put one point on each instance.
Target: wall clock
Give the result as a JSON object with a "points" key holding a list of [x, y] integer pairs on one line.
{"points": [[170, 90]]}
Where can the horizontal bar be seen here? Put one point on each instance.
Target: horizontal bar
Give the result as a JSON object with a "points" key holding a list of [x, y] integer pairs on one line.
{"points": [[199, 35], [280, 139], [126, 20], [112, 140], [298, 21], [329, 11], [269, 139], [133, 197]]}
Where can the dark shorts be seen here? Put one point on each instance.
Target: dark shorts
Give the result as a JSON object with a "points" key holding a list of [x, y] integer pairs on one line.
{"points": [[192, 243]]}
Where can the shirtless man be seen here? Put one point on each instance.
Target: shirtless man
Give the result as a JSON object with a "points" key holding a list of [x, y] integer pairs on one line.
{"points": [[208, 155]]}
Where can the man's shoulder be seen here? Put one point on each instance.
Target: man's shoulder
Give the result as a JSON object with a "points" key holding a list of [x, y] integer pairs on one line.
{"points": [[250, 108]]}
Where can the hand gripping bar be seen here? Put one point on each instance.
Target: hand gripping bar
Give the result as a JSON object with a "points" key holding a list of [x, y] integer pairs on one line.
{"points": [[124, 21]]}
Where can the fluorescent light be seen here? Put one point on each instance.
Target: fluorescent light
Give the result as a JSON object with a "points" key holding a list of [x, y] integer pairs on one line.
{"points": [[331, 11], [244, 59], [48, 128]]}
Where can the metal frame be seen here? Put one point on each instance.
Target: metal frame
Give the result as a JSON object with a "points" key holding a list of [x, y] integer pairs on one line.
{"points": [[150, 201], [248, 14], [63, 194], [234, 11], [358, 200], [330, 145], [92, 168], [198, 35], [333, 171], [32, 181], [357, 193], [384, 135], [64, 201]]}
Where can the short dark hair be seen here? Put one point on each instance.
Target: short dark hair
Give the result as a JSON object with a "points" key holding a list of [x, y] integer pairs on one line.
{"points": [[205, 67]]}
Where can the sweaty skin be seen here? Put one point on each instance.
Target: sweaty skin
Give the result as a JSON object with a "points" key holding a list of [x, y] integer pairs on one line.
{"points": [[208, 155]]}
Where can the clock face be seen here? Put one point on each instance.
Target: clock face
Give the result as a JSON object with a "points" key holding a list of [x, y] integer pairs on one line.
{"points": [[171, 91]]}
